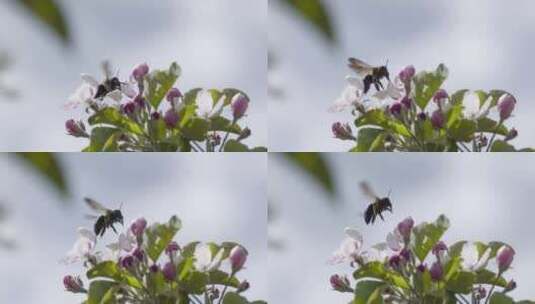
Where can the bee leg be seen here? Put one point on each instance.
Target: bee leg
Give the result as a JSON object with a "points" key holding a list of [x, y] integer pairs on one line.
{"points": [[378, 86], [382, 217], [113, 227]]}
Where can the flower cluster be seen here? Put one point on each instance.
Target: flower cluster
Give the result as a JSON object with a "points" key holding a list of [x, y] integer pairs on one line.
{"points": [[145, 265], [413, 265], [147, 113], [413, 113]]}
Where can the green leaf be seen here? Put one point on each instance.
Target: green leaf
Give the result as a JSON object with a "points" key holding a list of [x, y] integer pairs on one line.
{"points": [[378, 118], [461, 282], [51, 14], [49, 167], [112, 116], [157, 129], [195, 129], [366, 292], [159, 236], [111, 270], [101, 292], [488, 125], [458, 97], [159, 82], [219, 277], [428, 83], [427, 235], [502, 146], [191, 96], [100, 138], [220, 123], [500, 298], [315, 165], [316, 14], [366, 139], [195, 282], [485, 276], [463, 130], [377, 270], [234, 298], [235, 146]]}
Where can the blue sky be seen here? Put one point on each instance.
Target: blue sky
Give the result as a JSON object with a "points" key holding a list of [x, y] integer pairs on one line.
{"points": [[218, 197], [486, 45], [218, 44]]}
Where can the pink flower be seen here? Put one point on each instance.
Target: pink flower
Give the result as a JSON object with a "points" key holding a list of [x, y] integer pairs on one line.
{"points": [[239, 105], [506, 105], [395, 109], [504, 258], [405, 228], [437, 119], [436, 271], [138, 226], [440, 96], [73, 284], [342, 131], [140, 71], [407, 73], [340, 283], [76, 129], [238, 256], [169, 271], [171, 118]]}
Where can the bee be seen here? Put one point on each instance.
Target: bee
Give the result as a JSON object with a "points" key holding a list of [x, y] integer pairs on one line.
{"points": [[106, 219], [110, 84], [377, 207], [371, 74]]}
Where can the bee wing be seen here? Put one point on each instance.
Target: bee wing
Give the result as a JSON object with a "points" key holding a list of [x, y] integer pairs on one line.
{"points": [[367, 190], [91, 217], [95, 205], [360, 67], [106, 68]]}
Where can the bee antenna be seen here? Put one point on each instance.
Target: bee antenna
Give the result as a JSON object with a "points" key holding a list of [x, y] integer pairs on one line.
{"points": [[389, 192], [121, 206], [387, 62]]}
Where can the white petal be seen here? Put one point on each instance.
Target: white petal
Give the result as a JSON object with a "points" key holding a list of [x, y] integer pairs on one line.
{"points": [[128, 90], [469, 256], [87, 233], [355, 82], [203, 257], [116, 95], [354, 234], [204, 103], [393, 242]]}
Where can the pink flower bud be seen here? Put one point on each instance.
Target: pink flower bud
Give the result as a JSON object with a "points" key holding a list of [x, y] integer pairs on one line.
{"points": [[243, 286], [129, 108], [155, 115], [171, 118], [436, 271], [505, 257], [480, 293], [172, 248], [421, 267], [73, 284], [173, 94], [76, 129], [126, 261], [440, 96], [405, 254], [407, 73], [439, 247], [340, 283], [139, 101], [506, 105], [140, 71], [154, 268], [238, 256], [394, 261], [437, 119], [395, 109], [239, 106], [138, 227], [513, 133], [245, 133], [169, 271], [406, 102], [342, 131], [139, 254], [405, 228]]}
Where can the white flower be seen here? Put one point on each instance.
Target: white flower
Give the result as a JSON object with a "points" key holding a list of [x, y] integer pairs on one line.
{"points": [[83, 248], [351, 96], [349, 249], [470, 257], [394, 90], [376, 253], [472, 108], [204, 260], [126, 242], [206, 107], [394, 240]]}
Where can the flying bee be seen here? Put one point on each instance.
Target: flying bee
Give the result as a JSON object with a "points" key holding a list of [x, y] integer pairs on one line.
{"points": [[377, 207], [110, 84], [371, 74], [106, 219]]}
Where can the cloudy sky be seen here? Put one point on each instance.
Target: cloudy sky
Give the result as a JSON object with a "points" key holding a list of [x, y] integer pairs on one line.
{"points": [[485, 44], [487, 198], [218, 43], [219, 198]]}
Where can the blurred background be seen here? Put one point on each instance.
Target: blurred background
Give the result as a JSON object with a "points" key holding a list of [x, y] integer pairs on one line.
{"points": [[486, 197], [218, 43], [485, 44], [218, 198]]}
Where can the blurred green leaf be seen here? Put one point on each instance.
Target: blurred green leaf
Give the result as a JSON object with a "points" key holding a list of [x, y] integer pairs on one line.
{"points": [[51, 14], [48, 166], [314, 12], [315, 165]]}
